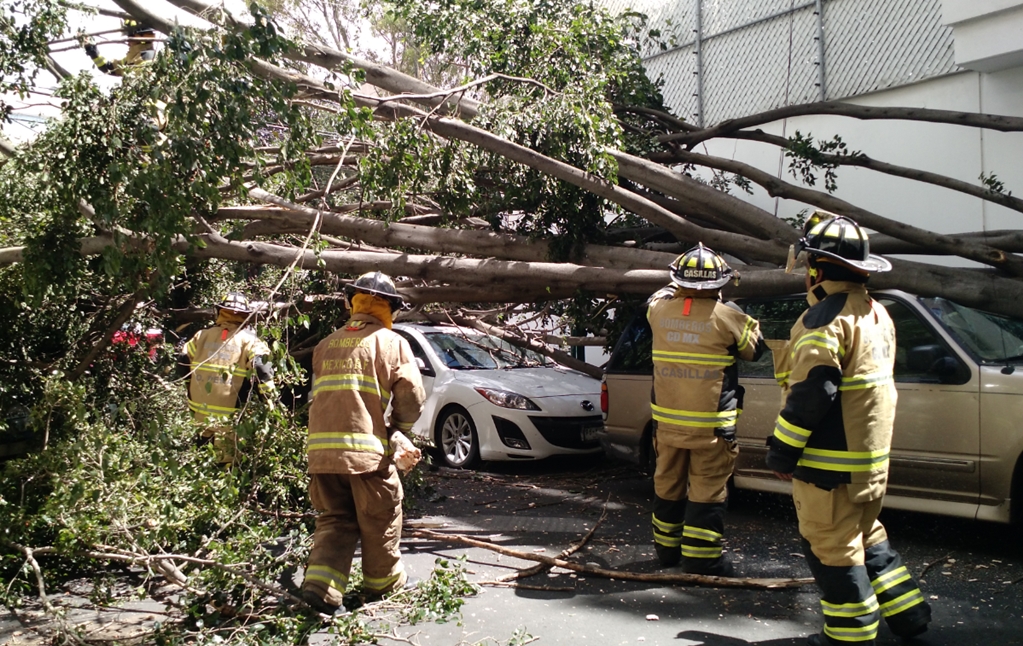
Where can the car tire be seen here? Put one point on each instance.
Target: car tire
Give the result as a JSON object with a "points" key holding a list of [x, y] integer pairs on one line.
{"points": [[457, 439]]}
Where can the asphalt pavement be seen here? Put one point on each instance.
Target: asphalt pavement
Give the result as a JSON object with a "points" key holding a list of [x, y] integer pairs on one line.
{"points": [[972, 572]]}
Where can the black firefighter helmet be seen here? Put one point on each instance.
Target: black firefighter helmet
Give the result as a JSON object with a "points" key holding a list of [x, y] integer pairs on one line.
{"points": [[132, 28], [701, 268], [379, 284], [838, 239], [235, 302]]}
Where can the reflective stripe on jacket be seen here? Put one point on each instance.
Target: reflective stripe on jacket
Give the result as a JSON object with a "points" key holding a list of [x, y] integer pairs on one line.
{"points": [[838, 390], [357, 371], [696, 340], [220, 359]]}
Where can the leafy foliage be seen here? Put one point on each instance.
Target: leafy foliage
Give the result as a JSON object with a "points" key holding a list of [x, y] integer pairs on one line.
{"points": [[806, 158], [26, 27]]}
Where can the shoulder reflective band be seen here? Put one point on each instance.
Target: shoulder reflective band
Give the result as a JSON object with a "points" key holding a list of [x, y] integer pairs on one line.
{"points": [[820, 340], [845, 461], [747, 333], [789, 433], [866, 381], [359, 442], [698, 419], [696, 358]]}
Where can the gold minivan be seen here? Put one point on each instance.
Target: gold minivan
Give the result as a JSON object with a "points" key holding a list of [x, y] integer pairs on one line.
{"points": [[958, 437]]}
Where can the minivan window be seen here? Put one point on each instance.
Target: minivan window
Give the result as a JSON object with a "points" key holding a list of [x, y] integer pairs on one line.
{"points": [[920, 354], [634, 352], [776, 319], [991, 338]]}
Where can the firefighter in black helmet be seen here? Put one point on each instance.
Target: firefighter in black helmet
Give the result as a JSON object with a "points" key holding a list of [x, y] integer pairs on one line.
{"points": [[833, 435], [696, 402], [141, 49]]}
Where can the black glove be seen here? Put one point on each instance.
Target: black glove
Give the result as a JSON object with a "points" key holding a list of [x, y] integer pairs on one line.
{"points": [[781, 458], [91, 50]]}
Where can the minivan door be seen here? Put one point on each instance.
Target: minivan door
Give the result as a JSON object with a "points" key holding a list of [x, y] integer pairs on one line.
{"points": [[936, 440]]}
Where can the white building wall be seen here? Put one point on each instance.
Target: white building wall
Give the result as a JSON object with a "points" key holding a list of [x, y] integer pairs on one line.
{"points": [[879, 53]]}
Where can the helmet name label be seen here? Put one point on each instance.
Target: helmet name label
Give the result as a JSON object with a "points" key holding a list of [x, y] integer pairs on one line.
{"points": [[701, 273]]}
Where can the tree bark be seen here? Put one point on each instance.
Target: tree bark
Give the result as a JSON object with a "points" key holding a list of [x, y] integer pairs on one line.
{"points": [[971, 119], [928, 239]]}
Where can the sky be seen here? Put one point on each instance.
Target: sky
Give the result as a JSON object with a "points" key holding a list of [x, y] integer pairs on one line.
{"points": [[29, 111]]}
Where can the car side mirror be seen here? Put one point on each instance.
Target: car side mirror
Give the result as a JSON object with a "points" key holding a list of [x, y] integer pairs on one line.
{"points": [[947, 369], [424, 369], [922, 358]]}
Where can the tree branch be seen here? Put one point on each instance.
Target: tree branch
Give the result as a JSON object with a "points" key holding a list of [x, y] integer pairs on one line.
{"points": [[621, 575], [971, 119], [928, 239]]}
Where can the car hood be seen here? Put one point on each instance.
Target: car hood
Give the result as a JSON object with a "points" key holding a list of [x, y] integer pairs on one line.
{"points": [[535, 383]]}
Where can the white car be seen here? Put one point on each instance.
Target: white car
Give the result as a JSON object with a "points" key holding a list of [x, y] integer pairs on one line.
{"points": [[489, 400]]}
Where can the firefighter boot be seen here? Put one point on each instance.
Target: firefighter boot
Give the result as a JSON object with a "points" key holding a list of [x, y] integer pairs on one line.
{"points": [[901, 601], [668, 522], [702, 540], [847, 600]]}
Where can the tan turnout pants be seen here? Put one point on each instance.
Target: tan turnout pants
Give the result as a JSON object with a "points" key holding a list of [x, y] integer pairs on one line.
{"points": [[354, 507], [703, 461], [839, 524]]}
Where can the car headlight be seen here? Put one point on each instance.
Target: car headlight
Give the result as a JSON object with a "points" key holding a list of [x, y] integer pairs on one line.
{"points": [[506, 399]]}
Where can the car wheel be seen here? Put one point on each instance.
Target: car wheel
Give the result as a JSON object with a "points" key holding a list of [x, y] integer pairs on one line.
{"points": [[457, 439]]}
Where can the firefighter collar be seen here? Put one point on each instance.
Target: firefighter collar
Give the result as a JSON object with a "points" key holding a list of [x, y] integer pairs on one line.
{"points": [[818, 293], [362, 317]]}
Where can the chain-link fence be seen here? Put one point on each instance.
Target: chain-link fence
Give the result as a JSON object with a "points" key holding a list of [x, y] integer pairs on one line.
{"points": [[730, 58]]}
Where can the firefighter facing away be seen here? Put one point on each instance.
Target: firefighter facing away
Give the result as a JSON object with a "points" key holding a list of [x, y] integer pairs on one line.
{"points": [[353, 481], [696, 402], [222, 360], [833, 435], [140, 49]]}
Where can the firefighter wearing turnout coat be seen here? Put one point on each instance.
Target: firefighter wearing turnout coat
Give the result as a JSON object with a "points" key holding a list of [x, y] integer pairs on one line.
{"points": [[353, 481], [141, 49], [695, 405], [833, 435], [221, 361]]}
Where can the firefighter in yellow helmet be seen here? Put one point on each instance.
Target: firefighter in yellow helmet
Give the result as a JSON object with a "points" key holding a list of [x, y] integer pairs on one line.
{"points": [[141, 49], [833, 435], [353, 482], [221, 360], [696, 402]]}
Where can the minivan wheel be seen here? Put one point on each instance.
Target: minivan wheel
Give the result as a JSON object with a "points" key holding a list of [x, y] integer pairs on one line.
{"points": [[457, 439]]}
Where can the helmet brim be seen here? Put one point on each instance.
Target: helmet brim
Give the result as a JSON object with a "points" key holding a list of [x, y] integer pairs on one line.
{"points": [[874, 264]]}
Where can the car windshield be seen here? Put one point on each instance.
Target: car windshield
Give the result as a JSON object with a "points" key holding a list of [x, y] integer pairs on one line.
{"points": [[991, 337], [480, 352]]}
